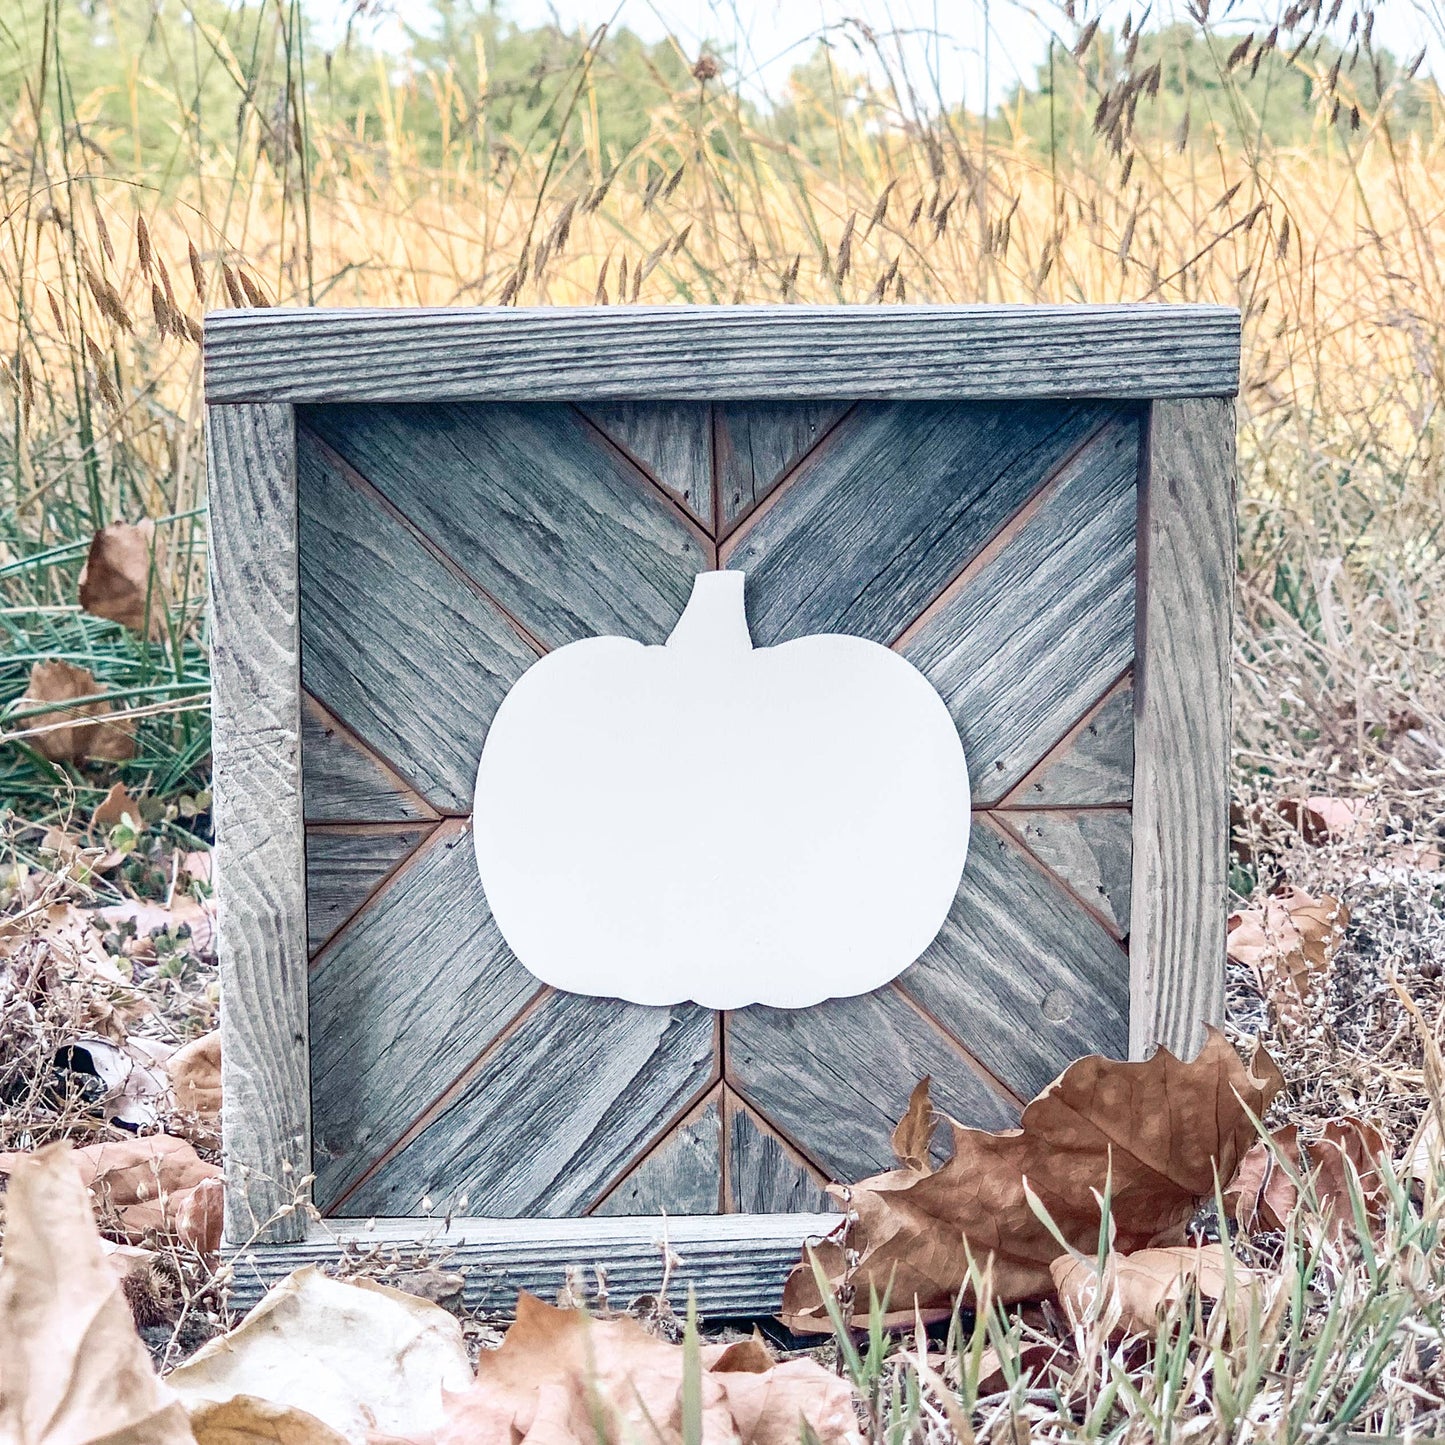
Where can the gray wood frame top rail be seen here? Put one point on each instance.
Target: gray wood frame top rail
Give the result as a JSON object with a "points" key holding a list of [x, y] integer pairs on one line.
{"points": [[732, 353]]}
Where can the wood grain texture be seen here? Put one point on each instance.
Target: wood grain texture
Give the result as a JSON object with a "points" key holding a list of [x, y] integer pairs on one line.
{"points": [[565, 534], [1181, 726], [1090, 850], [1020, 973], [721, 353], [260, 846], [402, 1003], [766, 1176], [342, 870], [343, 782], [552, 1115], [682, 1175], [736, 1263], [835, 1079], [758, 442], [1022, 646], [877, 523], [1092, 766], [671, 441], [408, 656]]}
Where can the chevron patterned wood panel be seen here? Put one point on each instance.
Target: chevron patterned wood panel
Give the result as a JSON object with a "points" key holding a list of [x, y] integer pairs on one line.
{"points": [[442, 548]]}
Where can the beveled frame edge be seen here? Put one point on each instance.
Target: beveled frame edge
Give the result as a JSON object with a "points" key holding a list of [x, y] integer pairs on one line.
{"points": [[1184, 621], [736, 1263], [260, 849], [1129, 352]]}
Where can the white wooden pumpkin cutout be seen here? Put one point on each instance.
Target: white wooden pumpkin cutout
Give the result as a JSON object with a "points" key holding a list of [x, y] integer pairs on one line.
{"points": [[714, 822]]}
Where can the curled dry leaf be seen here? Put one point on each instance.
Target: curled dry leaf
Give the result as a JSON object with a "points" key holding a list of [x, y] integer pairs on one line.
{"points": [[72, 1369], [122, 579], [132, 1087], [115, 808], [73, 734], [1263, 1194], [354, 1354], [69, 937], [245, 1420], [1156, 1133], [195, 1070], [1137, 1290], [183, 911], [200, 1215], [1288, 944], [568, 1379]]}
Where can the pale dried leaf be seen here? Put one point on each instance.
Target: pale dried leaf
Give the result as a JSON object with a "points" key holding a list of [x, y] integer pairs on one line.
{"points": [[184, 911], [73, 734], [69, 936], [122, 578], [1156, 1133], [563, 1378], [115, 808], [1137, 1290], [1288, 944], [356, 1355], [195, 1070], [72, 1370]]}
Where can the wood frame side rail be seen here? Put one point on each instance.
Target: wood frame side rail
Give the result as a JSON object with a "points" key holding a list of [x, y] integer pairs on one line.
{"points": [[1183, 360]]}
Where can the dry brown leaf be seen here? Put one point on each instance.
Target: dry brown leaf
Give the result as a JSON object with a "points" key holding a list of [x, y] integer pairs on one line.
{"points": [[184, 911], [70, 937], [72, 1370], [913, 1135], [1322, 819], [1288, 944], [1157, 1133], [1139, 1289], [200, 1215], [119, 580], [563, 1378], [1263, 1196], [245, 1420], [116, 807], [73, 734], [195, 1070]]}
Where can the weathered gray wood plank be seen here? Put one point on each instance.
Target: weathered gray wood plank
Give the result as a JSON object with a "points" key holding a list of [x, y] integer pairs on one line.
{"points": [[758, 442], [671, 441], [533, 504], [343, 867], [736, 1263], [1092, 766], [408, 656], [1181, 727], [1091, 850], [342, 782], [553, 1114], [835, 1079], [682, 1175], [765, 1176], [1020, 973], [260, 848], [875, 525], [1026, 642], [722, 353], [402, 1002]]}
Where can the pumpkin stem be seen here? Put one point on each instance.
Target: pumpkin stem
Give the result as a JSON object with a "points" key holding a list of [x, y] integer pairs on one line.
{"points": [[714, 620]]}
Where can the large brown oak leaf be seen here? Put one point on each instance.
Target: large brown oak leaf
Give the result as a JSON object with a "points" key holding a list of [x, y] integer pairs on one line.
{"points": [[1156, 1134]]}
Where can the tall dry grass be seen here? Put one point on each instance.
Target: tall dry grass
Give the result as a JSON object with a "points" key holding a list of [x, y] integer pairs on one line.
{"points": [[1331, 249]]}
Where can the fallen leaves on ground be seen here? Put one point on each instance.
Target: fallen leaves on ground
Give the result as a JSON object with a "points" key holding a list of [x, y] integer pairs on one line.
{"points": [[183, 911], [70, 937], [1263, 1195], [195, 1073], [1139, 1289], [116, 807], [1157, 1134], [122, 579], [73, 734], [144, 1186], [1288, 944], [564, 1378], [354, 1355], [1323, 819], [72, 1369]]}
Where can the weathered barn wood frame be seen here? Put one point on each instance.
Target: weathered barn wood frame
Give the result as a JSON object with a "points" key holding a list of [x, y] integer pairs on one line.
{"points": [[1180, 362]]}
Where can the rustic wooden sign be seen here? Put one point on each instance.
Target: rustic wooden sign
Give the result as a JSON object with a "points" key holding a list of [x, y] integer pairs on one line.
{"points": [[1033, 505]]}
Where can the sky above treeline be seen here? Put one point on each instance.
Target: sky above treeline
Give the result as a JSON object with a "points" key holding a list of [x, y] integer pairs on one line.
{"points": [[961, 46]]}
